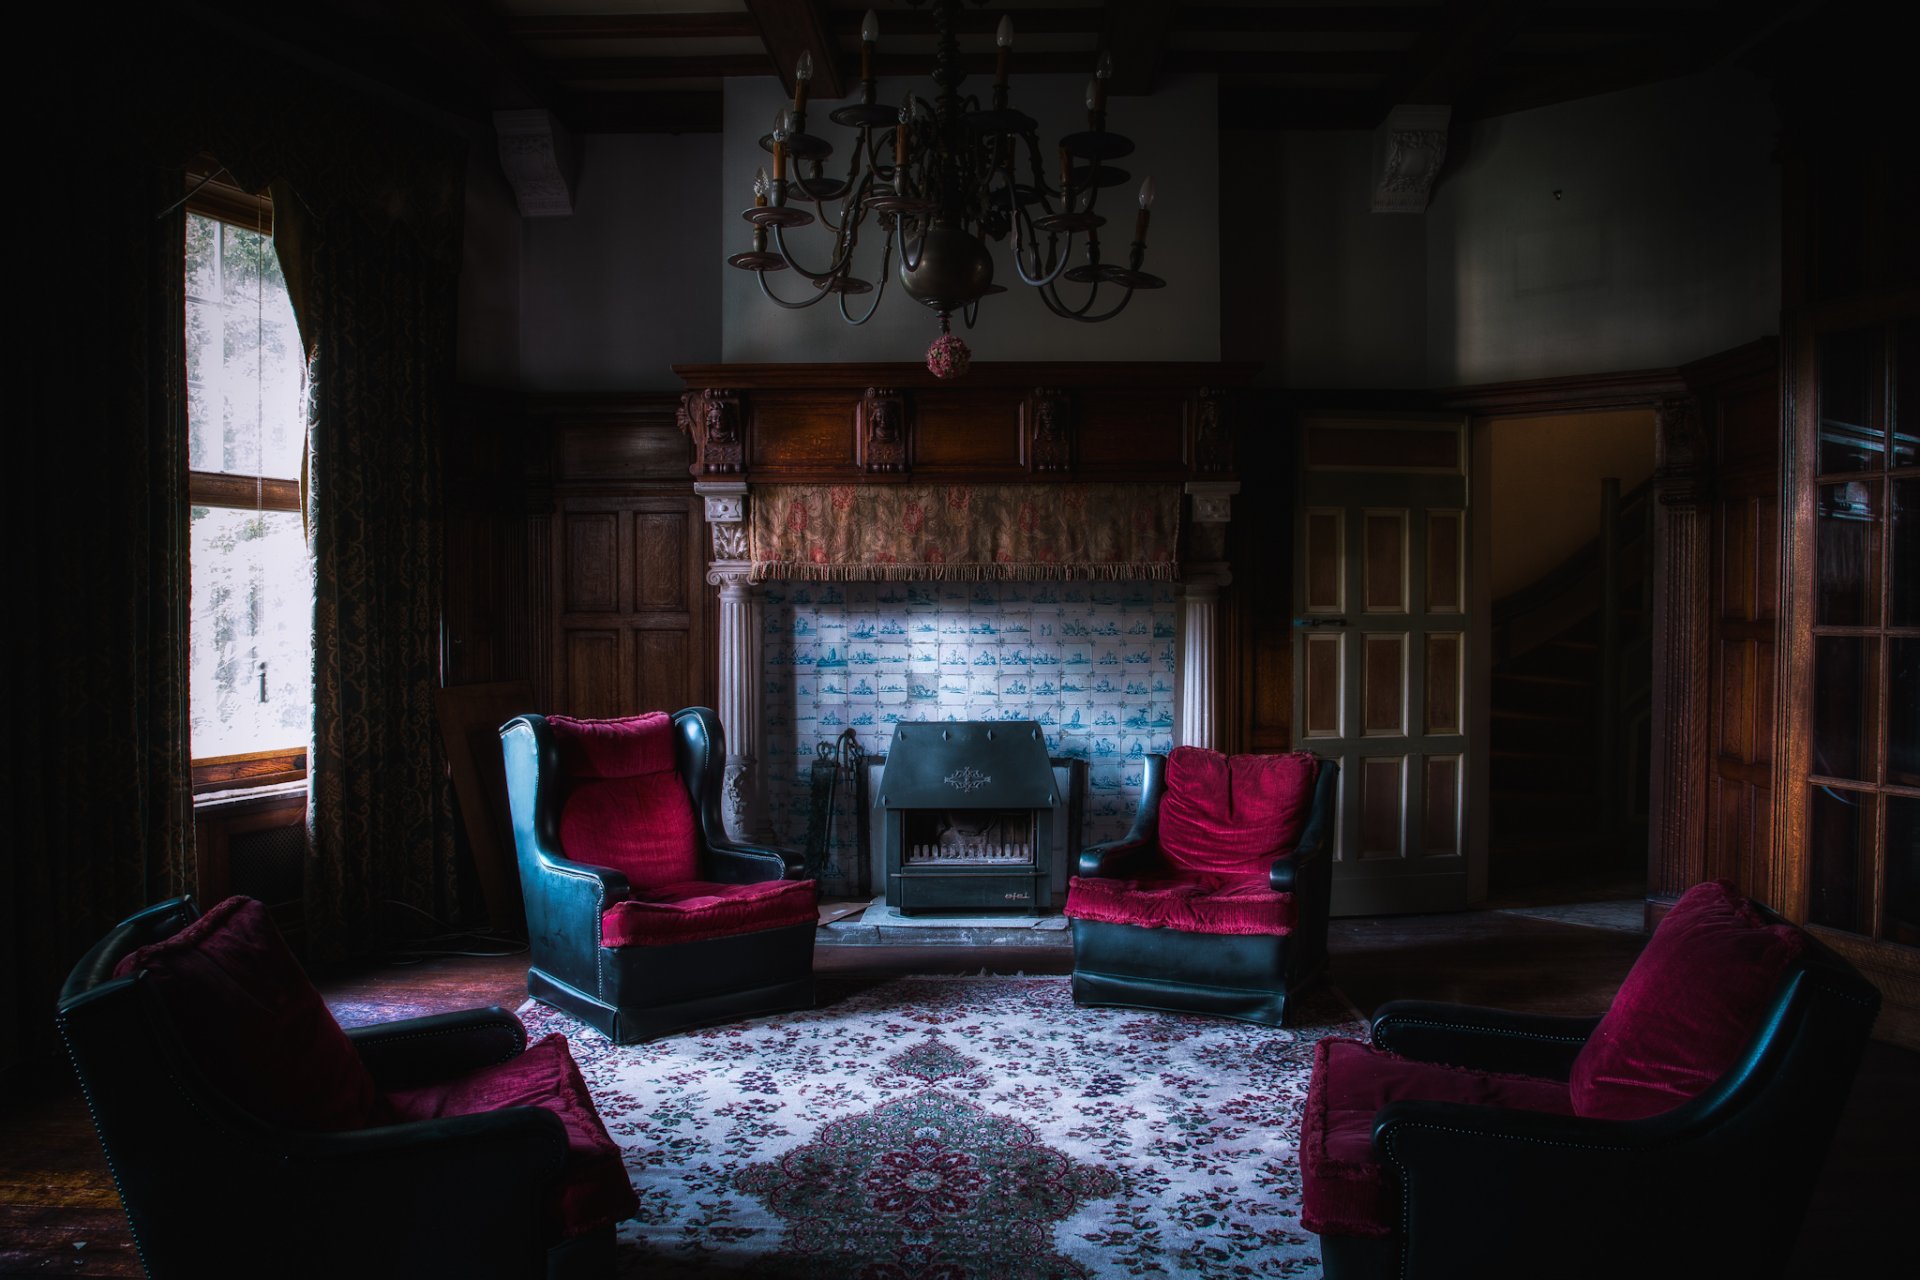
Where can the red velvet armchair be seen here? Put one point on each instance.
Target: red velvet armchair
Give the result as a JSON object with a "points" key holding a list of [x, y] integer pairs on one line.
{"points": [[643, 918], [249, 1135], [1678, 1135], [1216, 901]]}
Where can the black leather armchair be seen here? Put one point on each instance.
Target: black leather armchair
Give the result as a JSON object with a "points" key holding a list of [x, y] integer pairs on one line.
{"points": [[1718, 1185], [1251, 975], [211, 1189], [639, 992]]}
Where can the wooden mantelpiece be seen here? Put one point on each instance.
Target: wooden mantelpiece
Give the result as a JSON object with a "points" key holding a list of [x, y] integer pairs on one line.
{"points": [[1000, 423]]}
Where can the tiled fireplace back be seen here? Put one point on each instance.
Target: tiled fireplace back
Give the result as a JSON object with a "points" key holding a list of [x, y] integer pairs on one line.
{"points": [[1093, 662]]}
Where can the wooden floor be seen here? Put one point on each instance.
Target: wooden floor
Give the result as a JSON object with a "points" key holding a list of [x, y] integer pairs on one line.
{"points": [[59, 1214]]}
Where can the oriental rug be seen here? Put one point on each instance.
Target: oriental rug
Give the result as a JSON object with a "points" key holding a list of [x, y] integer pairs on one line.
{"points": [[935, 1128]]}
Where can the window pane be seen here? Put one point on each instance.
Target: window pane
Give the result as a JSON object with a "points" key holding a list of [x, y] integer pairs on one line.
{"points": [[1906, 394], [1843, 707], [1903, 711], [1849, 440], [1842, 827], [1848, 581], [1905, 606], [251, 655], [1903, 870], [244, 366]]}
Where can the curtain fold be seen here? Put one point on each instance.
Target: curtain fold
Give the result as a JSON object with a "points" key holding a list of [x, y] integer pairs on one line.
{"points": [[970, 532]]}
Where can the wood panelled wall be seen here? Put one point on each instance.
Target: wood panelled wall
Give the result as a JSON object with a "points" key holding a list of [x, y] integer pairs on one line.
{"points": [[576, 554]]}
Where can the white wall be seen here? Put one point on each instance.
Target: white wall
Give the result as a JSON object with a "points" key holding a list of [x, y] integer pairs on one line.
{"points": [[1177, 144], [615, 295], [1323, 290], [1662, 245], [487, 339]]}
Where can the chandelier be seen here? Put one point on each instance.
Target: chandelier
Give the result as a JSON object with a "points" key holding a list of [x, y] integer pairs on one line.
{"points": [[935, 180]]}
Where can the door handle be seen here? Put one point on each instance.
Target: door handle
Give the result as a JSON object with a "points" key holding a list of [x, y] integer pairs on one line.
{"points": [[1319, 622]]}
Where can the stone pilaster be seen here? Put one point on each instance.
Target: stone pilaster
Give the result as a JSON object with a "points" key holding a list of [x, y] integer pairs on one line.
{"points": [[742, 797]]}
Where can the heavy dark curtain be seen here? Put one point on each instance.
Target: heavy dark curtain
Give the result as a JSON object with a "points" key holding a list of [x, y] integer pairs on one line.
{"points": [[368, 198]]}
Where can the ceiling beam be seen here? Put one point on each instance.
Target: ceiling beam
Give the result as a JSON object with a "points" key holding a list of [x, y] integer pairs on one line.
{"points": [[666, 111], [790, 28], [724, 66], [1136, 34], [1314, 18], [633, 26], [1444, 64]]}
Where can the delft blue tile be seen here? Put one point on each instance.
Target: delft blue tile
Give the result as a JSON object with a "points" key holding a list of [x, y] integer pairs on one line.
{"points": [[1014, 685], [1163, 628], [830, 593], [892, 629], [1162, 686], [1073, 627], [984, 658], [1106, 656], [831, 657], [863, 628], [860, 686], [863, 656], [1160, 744], [861, 594], [1160, 716], [1074, 683], [1015, 656], [1076, 657], [923, 688]]}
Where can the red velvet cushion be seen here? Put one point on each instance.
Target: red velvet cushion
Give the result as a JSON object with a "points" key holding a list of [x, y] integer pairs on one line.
{"points": [[694, 910], [255, 1026], [626, 806], [1343, 1190], [1233, 814], [1194, 904], [594, 1191], [1689, 1007]]}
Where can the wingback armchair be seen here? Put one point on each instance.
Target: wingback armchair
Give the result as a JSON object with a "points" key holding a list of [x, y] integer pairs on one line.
{"points": [[248, 1134], [1678, 1135], [1216, 901], [642, 916]]}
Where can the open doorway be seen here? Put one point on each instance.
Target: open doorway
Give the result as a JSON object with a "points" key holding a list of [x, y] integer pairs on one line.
{"points": [[1568, 503]]}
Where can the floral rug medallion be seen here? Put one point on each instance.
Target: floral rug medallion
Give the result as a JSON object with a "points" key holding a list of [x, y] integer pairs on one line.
{"points": [[962, 1128]]}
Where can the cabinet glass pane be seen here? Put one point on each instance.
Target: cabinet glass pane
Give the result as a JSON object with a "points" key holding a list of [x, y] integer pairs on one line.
{"points": [[1904, 608], [1843, 723], [1903, 711], [1842, 827], [1902, 906], [1906, 394], [1849, 440], [1847, 577]]}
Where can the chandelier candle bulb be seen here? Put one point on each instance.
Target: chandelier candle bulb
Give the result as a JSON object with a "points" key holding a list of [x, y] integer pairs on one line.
{"points": [[869, 33], [1146, 212], [760, 188], [802, 75], [1003, 49], [900, 146]]}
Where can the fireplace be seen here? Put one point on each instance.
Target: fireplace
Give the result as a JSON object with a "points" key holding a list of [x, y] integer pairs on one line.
{"points": [[970, 814]]}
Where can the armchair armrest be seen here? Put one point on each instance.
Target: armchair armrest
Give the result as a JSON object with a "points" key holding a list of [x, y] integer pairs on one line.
{"points": [[1129, 855], [414, 1051], [1480, 1039], [1287, 871], [733, 863]]}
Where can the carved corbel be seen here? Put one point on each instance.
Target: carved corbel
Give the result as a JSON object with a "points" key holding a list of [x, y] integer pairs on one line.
{"points": [[1211, 511], [881, 430], [719, 432], [726, 503], [1409, 148], [1046, 419], [1212, 432], [1682, 467]]}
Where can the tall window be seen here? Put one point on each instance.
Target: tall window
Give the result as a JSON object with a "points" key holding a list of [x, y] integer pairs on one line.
{"points": [[251, 643]]}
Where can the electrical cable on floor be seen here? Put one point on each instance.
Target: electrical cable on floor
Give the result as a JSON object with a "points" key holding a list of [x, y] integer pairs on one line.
{"points": [[449, 945]]}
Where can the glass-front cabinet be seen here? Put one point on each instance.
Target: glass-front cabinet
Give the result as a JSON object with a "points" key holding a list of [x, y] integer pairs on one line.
{"points": [[1859, 765]]}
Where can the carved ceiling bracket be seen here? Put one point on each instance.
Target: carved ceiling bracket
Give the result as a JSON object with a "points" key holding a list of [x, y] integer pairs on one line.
{"points": [[1210, 511], [1046, 429], [1409, 147], [1211, 429], [540, 161], [883, 431]]}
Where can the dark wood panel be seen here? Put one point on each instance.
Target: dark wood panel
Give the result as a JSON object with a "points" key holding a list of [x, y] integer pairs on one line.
{"points": [[1381, 803], [1443, 563], [1383, 685], [621, 451], [802, 432], [1384, 563], [660, 560], [1323, 686], [663, 677], [1124, 430], [967, 431], [1443, 682], [592, 574], [1440, 816], [1345, 448], [1324, 560], [593, 674]]}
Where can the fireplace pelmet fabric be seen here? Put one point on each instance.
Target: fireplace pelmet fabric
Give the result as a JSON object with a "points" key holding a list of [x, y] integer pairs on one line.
{"points": [[965, 532]]}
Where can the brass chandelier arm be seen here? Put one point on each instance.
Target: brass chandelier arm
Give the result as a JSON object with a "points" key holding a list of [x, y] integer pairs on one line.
{"points": [[841, 261], [886, 258], [779, 301]]}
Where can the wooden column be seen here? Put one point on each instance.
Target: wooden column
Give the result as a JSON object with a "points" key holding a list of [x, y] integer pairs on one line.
{"points": [[1682, 481]]}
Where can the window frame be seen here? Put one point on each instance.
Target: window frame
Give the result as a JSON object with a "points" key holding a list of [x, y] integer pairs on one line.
{"points": [[212, 197]]}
